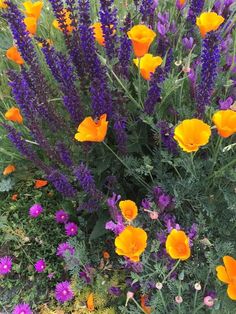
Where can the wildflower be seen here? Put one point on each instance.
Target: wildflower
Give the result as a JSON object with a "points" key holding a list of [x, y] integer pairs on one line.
{"points": [[153, 215], [33, 9], [191, 134], [90, 302], [68, 21], [35, 210], [31, 25], [131, 242], [14, 55], [9, 169], [92, 131], [5, 265], [141, 37], [146, 309], [3, 5], [178, 299], [208, 22], [208, 301], [180, 4], [129, 209], [195, 8], [40, 183], [14, 197], [22, 308], [14, 114], [188, 43], [197, 286], [71, 229], [148, 65], [63, 292], [227, 274], [225, 122], [63, 248], [105, 255], [226, 104], [129, 296], [116, 291], [177, 245], [159, 285], [98, 33], [61, 216], [40, 266]]}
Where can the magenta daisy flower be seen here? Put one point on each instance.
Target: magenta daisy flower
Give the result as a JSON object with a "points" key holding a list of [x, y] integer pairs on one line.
{"points": [[5, 265], [40, 266], [61, 216], [71, 229], [22, 308], [63, 292], [63, 248], [35, 210]]}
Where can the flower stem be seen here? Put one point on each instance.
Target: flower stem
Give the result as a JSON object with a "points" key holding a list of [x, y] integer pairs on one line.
{"points": [[138, 306], [172, 270], [195, 301], [139, 83], [163, 300]]}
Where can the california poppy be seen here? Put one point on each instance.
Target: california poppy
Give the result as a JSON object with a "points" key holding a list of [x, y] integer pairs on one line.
{"points": [[92, 131], [9, 169], [141, 37], [180, 4], [13, 114], [90, 302], [209, 21], [31, 24], [146, 309], [148, 65], [129, 209], [98, 33], [191, 134], [40, 183], [225, 122], [177, 245], [106, 255], [14, 197], [227, 274], [33, 9], [131, 242], [14, 55], [68, 22], [3, 5]]}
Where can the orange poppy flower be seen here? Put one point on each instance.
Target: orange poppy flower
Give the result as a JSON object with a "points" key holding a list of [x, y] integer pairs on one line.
{"points": [[129, 209], [147, 309], [3, 5], [68, 22], [14, 197], [90, 302], [177, 245], [92, 131], [131, 242], [31, 24], [9, 169], [98, 33], [40, 183], [227, 274], [106, 255], [33, 9], [14, 55], [191, 134], [225, 122], [13, 114], [209, 21], [141, 37], [148, 65]]}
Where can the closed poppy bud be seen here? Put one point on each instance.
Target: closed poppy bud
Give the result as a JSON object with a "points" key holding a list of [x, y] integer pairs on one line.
{"points": [[129, 209], [106, 255], [68, 22], [14, 197], [225, 122], [3, 5], [191, 134], [9, 169], [177, 245], [33, 9], [90, 302], [141, 37], [227, 274], [131, 242], [14, 55], [31, 24], [40, 183], [148, 65], [92, 131], [13, 114], [208, 22]]}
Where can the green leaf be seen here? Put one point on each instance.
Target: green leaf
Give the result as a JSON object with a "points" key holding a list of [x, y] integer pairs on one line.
{"points": [[99, 228]]}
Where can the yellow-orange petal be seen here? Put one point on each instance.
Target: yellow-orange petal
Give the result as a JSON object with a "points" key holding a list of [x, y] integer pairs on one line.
{"points": [[31, 24], [209, 21], [13, 54], [13, 114], [231, 291], [148, 64], [177, 245], [33, 9], [222, 274], [230, 266], [225, 122], [90, 302], [8, 170], [3, 5], [129, 209], [40, 183]]}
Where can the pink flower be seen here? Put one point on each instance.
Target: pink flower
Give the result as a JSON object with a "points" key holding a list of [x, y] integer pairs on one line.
{"points": [[178, 299], [209, 301], [63, 292], [5, 265], [22, 308], [71, 229], [40, 266], [35, 210], [61, 216], [63, 248]]}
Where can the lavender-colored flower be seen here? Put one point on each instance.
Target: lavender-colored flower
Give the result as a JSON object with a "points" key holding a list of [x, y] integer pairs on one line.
{"points": [[120, 133], [164, 201], [167, 133], [86, 274], [124, 55], [71, 229], [61, 216], [63, 292], [146, 204], [22, 308], [225, 104], [35, 210], [5, 265], [64, 154], [162, 28], [117, 227], [116, 291], [193, 232], [40, 266], [180, 5], [188, 42], [64, 248], [112, 201], [210, 58], [195, 9], [147, 8], [61, 183]]}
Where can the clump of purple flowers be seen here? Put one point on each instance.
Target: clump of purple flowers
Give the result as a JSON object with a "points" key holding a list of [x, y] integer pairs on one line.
{"points": [[5, 265], [71, 229], [22, 308], [63, 292], [35, 210], [61, 216], [63, 248], [40, 266], [162, 199]]}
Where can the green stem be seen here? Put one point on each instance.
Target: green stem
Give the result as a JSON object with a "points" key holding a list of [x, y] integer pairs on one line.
{"points": [[217, 150], [195, 301], [224, 167], [172, 270], [179, 293], [198, 308], [139, 83], [163, 300], [138, 306]]}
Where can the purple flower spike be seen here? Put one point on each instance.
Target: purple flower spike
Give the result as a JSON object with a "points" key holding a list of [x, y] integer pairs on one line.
{"points": [[5, 265], [63, 248], [63, 292], [40, 266], [225, 104], [35, 210], [22, 308], [61, 216], [71, 229], [188, 43], [116, 291]]}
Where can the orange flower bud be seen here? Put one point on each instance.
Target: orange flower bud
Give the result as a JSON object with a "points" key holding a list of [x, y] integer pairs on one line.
{"points": [[90, 302], [40, 183], [141, 37], [14, 197], [177, 245], [9, 169], [227, 274], [225, 122], [14, 55], [129, 209], [31, 25], [92, 131], [148, 65], [33, 9], [13, 114], [209, 21], [106, 255]]}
